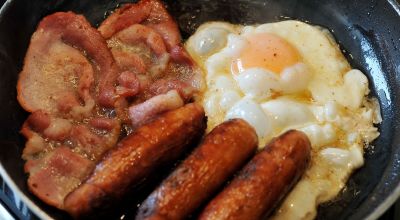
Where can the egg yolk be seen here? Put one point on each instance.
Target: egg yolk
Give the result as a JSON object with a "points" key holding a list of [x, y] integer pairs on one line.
{"points": [[267, 51]]}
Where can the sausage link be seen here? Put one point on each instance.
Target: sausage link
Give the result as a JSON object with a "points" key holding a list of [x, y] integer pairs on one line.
{"points": [[224, 150], [264, 181], [136, 157]]}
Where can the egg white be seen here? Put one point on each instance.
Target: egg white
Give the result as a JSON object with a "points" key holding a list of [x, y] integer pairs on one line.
{"points": [[321, 96]]}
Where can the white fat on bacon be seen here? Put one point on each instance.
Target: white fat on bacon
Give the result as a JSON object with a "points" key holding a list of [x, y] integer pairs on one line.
{"points": [[143, 112], [58, 129]]}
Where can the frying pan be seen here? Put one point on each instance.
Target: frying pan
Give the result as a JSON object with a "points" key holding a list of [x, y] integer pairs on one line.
{"points": [[368, 32]]}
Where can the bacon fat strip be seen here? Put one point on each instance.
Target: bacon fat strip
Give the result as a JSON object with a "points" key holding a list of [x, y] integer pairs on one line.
{"points": [[136, 157], [264, 181], [224, 150]]}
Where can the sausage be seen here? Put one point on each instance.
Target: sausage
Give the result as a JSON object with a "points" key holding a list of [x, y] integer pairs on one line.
{"points": [[223, 151], [147, 149], [264, 181]]}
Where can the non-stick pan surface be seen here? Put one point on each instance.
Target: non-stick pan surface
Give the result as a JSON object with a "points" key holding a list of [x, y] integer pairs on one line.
{"points": [[367, 30]]}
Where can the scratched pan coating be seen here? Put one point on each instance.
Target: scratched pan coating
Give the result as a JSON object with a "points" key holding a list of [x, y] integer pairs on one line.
{"points": [[367, 30]]}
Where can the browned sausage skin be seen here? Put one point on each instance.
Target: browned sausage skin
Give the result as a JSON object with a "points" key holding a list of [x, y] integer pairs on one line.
{"points": [[224, 150], [264, 181], [136, 157]]}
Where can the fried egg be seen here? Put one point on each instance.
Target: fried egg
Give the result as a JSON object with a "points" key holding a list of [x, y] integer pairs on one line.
{"points": [[289, 75]]}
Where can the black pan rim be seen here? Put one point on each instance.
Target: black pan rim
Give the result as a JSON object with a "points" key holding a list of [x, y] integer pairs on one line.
{"points": [[36, 210], [4, 174]]}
